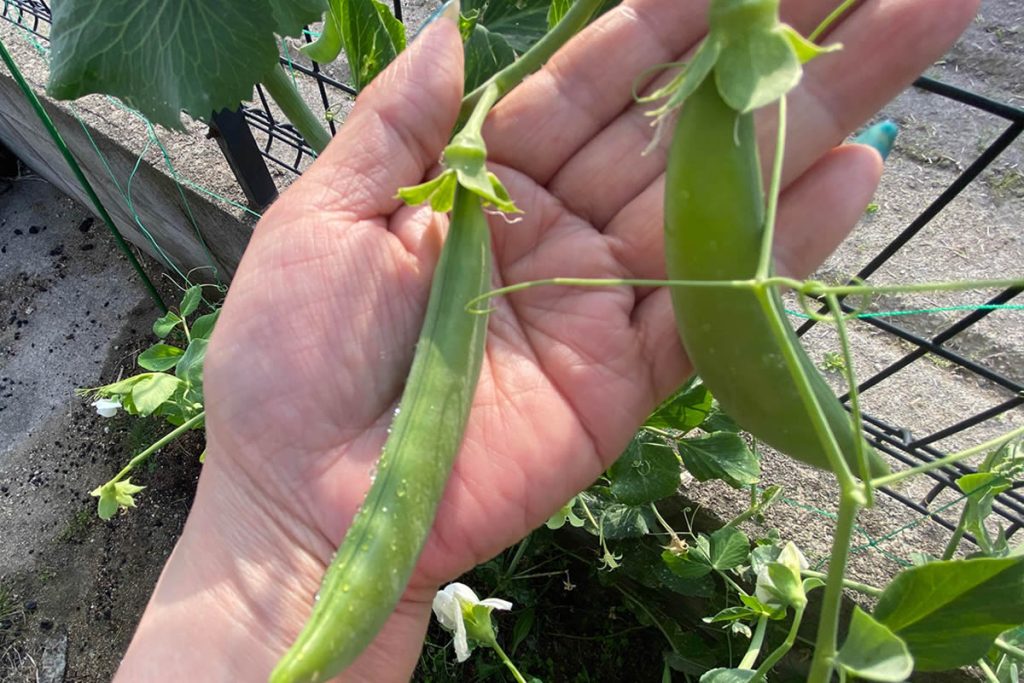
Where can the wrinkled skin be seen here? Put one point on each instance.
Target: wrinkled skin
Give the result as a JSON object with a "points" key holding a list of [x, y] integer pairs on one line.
{"points": [[317, 333]]}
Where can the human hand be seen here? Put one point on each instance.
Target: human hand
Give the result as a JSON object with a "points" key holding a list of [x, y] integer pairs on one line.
{"points": [[310, 354]]}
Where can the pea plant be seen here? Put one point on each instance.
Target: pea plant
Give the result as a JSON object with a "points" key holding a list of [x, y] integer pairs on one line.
{"points": [[177, 397], [942, 613]]}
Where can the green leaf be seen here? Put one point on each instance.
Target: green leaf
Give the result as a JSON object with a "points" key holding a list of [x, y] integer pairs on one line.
{"points": [[727, 676], [190, 301], [683, 410], [730, 548], [370, 35], [722, 456], [487, 53], [556, 11], [521, 23], [521, 629], [642, 561], [151, 392], [617, 520], [161, 58], [981, 489], [190, 367], [688, 565], [719, 421], [873, 652], [950, 612], [202, 327], [164, 324], [160, 357], [648, 471]]}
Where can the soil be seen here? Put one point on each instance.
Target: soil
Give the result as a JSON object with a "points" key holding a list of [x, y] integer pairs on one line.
{"points": [[72, 314]]}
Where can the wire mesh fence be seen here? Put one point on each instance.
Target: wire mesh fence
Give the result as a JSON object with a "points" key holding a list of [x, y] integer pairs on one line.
{"points": [[258, 132]]}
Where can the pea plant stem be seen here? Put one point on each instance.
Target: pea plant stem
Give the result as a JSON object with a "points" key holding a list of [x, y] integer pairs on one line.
{"points": [[784, 647], [534, 58], [825, 645], [1007, 648], [157, 445], [851, 381], [809, 288], [864, 588], [754, 651], [507, 662], [957, 536], [831, 19], [764, 265], [295, 109], [828, 440], [991, 444]]}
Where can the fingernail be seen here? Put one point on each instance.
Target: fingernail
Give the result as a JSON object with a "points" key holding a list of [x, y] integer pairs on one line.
{"points": [[445, 10], [881, 136]]}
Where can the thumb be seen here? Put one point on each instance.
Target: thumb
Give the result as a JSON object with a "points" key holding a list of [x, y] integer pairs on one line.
{"points": [[398, 128]]}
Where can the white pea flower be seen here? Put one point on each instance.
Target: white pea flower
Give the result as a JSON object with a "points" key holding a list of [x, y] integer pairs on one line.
{"points": [[785, 587], [106, 407], [460, 611]]}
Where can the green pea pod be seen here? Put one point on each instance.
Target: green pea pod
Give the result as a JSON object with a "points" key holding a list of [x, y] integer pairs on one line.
{"points": [[372, 567], [714, 220]]}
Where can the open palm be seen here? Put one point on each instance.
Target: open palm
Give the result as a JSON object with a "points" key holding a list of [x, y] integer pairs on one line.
{"points": [[309, 358]]}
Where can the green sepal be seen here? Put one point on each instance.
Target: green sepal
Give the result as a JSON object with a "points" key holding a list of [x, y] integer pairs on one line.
{"points": [[114, 495], [477, 619], [757, 70], [804, 49], [684, 84], [440, 192], [756, 58]]}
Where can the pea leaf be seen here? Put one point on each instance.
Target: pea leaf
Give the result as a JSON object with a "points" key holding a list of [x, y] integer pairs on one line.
{"points": [[950, 612], [556, 11], [648, 471], [520, 23], [487, 53], [151, 392], [721, 455], [161, 57], [642, 561], [683, 410], [729, 548], [190, 301], [190, 366], [160, 357], [873, 652], [617, 519], [164, 324], [202, 327], [690, 565]]}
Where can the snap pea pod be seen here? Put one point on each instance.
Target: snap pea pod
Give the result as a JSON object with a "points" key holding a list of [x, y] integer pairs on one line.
{"points": [[372, 567], [714, 221]]}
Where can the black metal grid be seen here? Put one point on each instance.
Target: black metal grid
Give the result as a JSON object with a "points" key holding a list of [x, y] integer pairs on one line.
{"points": [[897, 441], [282, 144], [31, 15]]}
